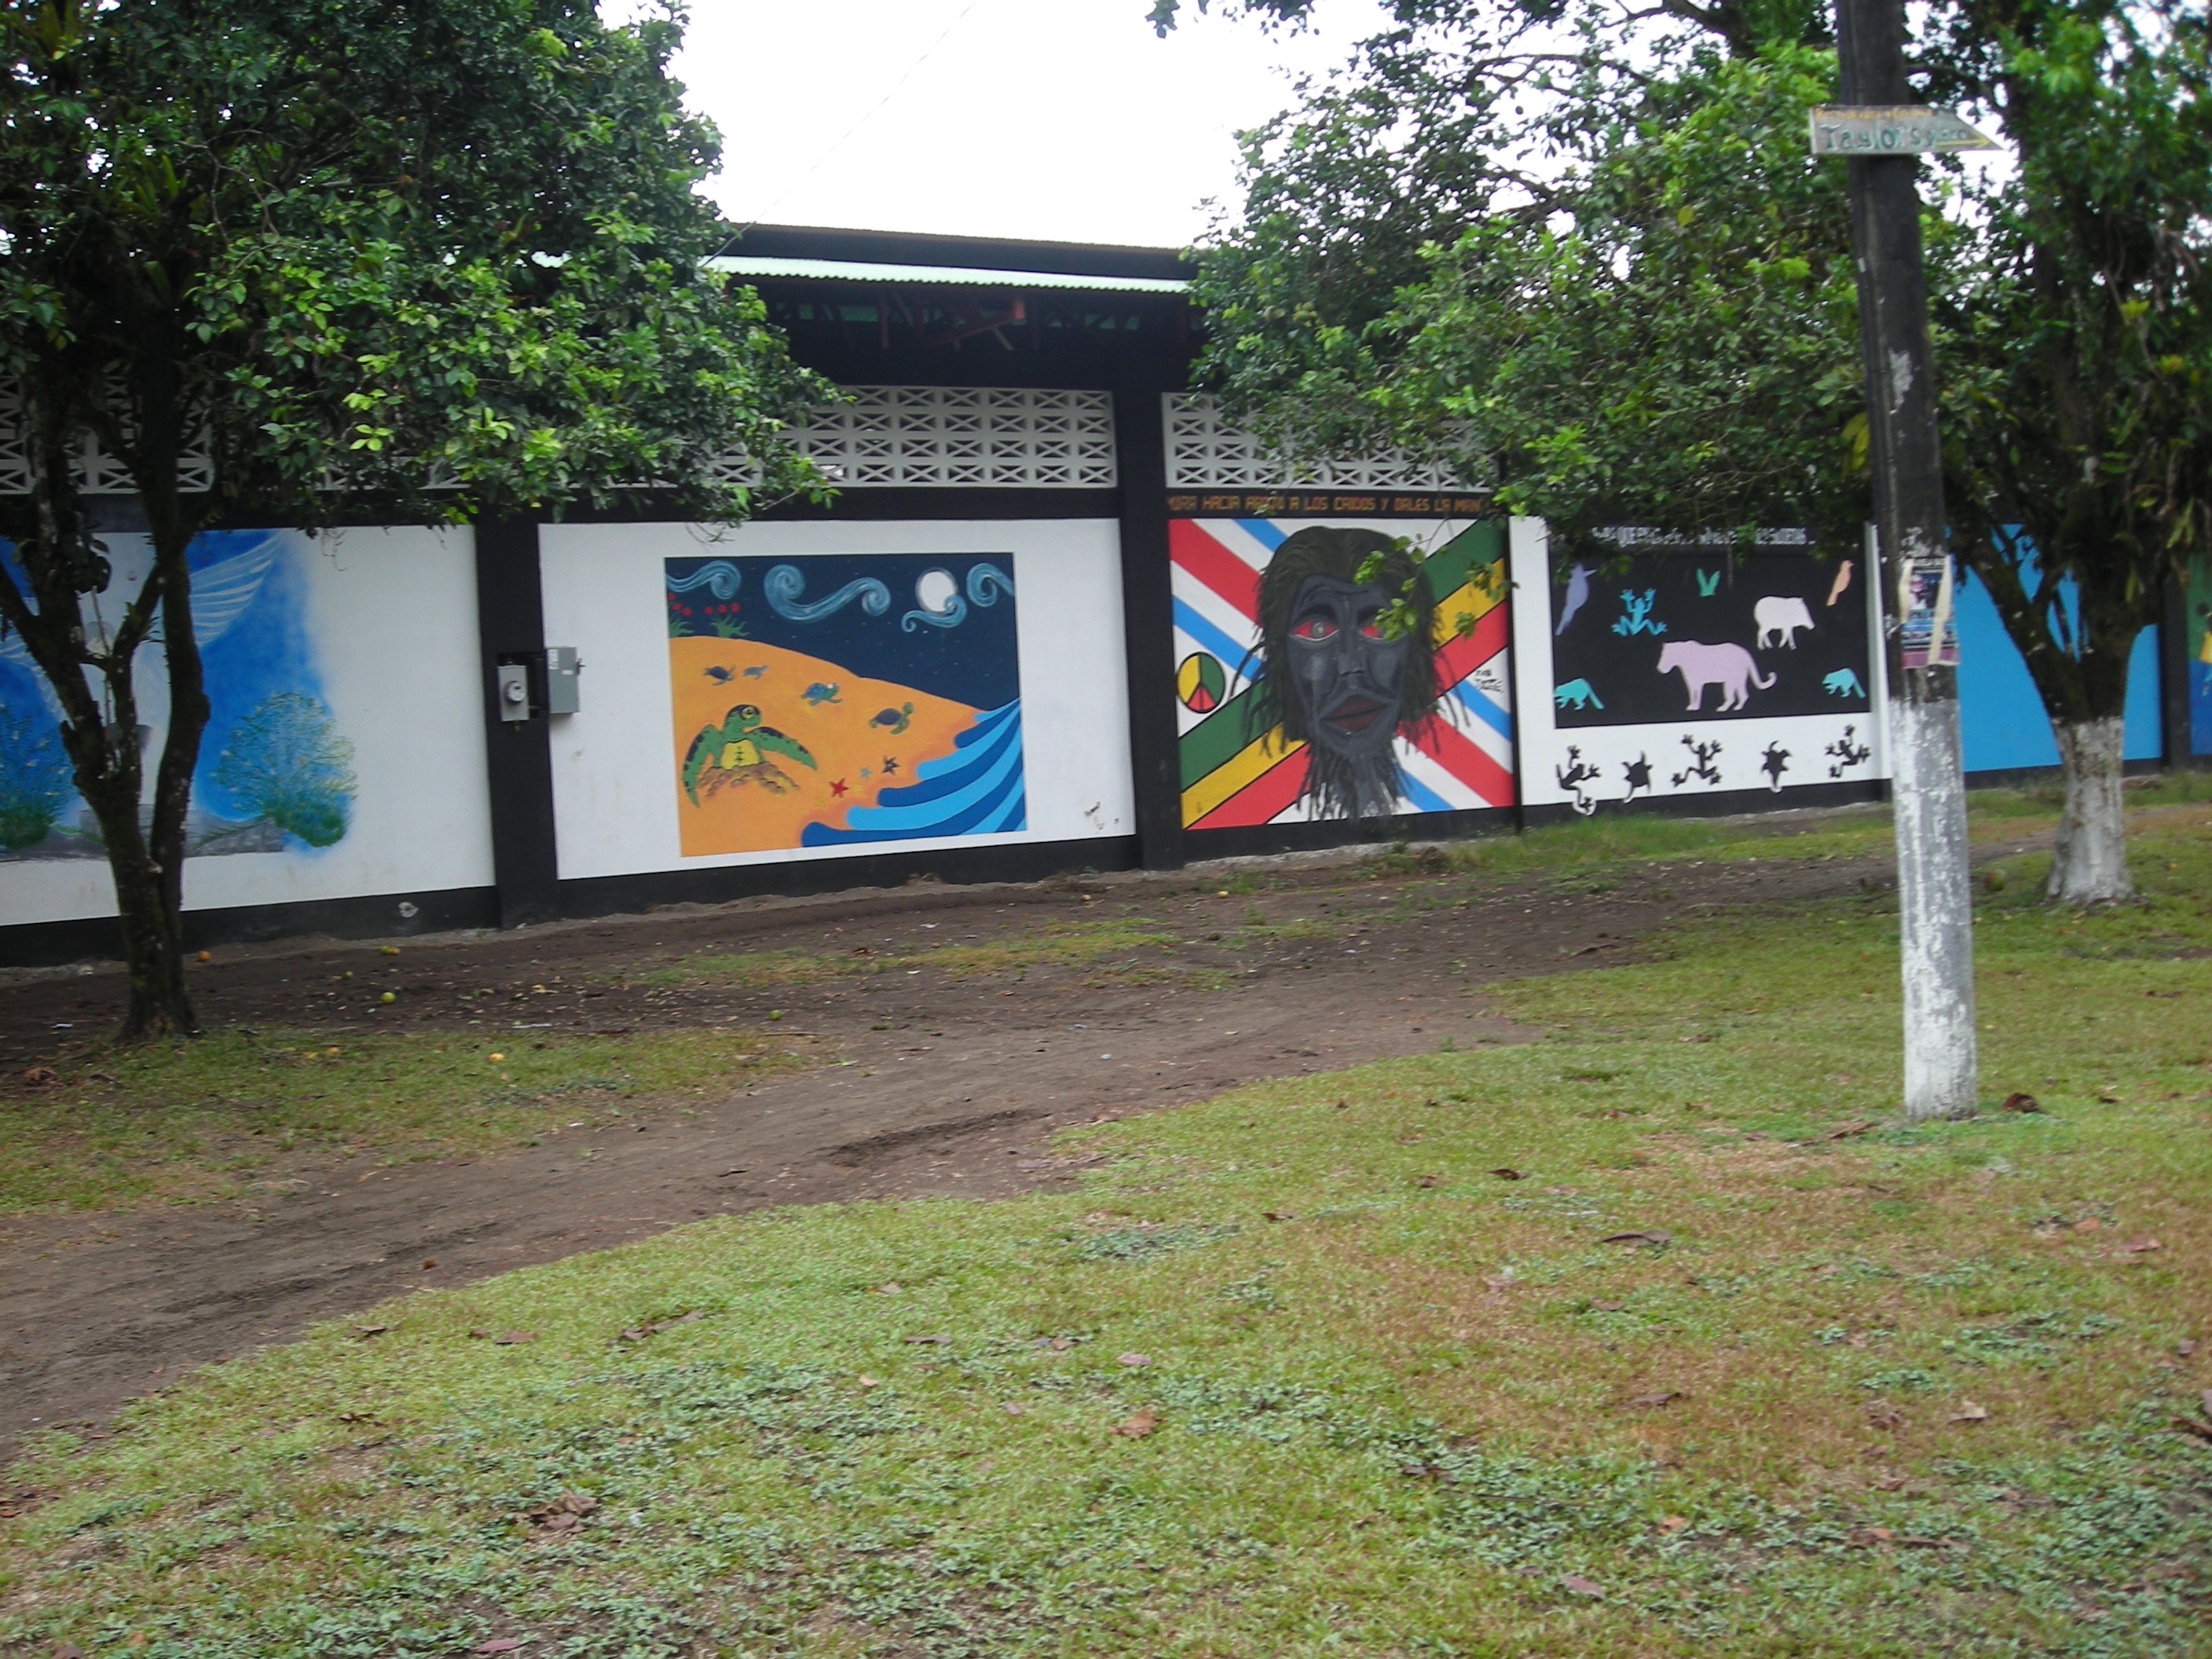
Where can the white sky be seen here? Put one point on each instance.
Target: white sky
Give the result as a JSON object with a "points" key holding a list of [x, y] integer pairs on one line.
{"points": [[1061, 119]]}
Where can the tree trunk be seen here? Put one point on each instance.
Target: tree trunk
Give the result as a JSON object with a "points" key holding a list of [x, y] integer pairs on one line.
{"points": [[2089, 865]]}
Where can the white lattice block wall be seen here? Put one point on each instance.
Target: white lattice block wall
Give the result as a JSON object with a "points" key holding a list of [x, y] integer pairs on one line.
{"points": [[945, 437], [98, 473], [1205, 452]]}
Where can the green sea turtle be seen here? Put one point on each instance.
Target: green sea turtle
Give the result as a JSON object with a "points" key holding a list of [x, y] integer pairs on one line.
{"points": [[817, 694], [894, 721], [737, 749]]}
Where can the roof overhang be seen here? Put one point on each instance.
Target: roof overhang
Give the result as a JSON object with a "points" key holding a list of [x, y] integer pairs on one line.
{"points": [[764, 266]]}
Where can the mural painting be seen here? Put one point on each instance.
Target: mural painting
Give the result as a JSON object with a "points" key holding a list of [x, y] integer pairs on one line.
{"points": [[1656, 655], [2200, 659], [1664, 634], [275, 774], [1295, 703], [841, 700]]}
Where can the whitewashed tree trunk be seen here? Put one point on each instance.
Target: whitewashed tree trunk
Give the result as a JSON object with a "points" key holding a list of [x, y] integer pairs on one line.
{"points": [[2090, 864], [1934, 904]]}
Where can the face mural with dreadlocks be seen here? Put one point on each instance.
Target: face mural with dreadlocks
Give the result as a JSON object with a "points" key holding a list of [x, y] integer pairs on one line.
{"points": [[1330, 678]]}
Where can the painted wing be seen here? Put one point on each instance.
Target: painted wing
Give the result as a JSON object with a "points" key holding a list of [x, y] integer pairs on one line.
{"points": [[221, 592], [776, 744]]}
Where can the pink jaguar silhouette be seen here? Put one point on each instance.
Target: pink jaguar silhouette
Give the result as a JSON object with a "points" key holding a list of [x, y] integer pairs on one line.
{"points": [[1728, 666]]}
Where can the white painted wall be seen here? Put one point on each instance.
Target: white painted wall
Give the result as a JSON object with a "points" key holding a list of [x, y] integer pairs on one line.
{"points": [[391, 625], [1543, 747], [614, 787]]}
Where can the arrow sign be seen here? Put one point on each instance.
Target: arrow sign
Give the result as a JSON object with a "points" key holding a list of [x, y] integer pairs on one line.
{"points": [[1891, 130]]}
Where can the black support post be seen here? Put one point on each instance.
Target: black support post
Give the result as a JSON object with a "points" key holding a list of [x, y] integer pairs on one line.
{"points": [[2173, 709], [518, 754], [1147, 610]]}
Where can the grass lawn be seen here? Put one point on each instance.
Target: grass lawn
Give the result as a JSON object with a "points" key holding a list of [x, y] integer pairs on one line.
{"points": [[1653, 1336]]}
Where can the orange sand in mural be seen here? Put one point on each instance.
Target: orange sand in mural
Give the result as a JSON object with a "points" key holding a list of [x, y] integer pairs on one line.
{"points": [[770, 713]]}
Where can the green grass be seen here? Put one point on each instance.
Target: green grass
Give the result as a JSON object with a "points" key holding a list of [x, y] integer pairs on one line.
{"points": [[236, 1115], [1056, 944], [1390, 1403]]}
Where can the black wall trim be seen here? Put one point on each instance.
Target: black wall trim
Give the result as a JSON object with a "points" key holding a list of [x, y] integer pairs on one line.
{"points": [[2173, 676], [607, 895], [1148, 617], [1724, 802], [902, 247], [518, 754], [1258, 840], [377, 915]]}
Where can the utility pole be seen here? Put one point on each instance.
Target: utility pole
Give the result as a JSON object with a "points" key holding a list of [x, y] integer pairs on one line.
{"points": [[1928, 787]]}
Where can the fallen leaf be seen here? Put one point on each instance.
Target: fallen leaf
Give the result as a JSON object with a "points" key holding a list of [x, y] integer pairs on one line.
{"points": [[2186, 1347], [2088, 1224], [1428, 1181], [498, 1645], [1578, 1585], [1062, 1343], [1652, 1401], [1136, 1427], [1015, 1408], [365, 1332], [894, 1288], [2109, 1097], [431, 1263], [1656, 1238], [1421, 1471], [1885, 1417], [1969, 1411], [509, 1339], [1882, 1534], [1133, 1359], [40, 1077], [1507, 1174], [2189, 1426], [1674, 1523], [1498, 1282], [2204, 1402], [1857, 1126], [869, 1382], [2019, 1101], [2139, 1246], [1278, 1215], [931, 1341], [1608, 1307]]}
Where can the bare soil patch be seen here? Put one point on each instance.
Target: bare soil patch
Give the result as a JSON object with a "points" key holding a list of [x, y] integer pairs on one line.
{"points": [[934, 1081]]}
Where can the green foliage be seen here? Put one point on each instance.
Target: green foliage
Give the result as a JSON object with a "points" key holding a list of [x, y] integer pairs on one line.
{"points": [[287, 762], [412, 262], [1582, 253]]}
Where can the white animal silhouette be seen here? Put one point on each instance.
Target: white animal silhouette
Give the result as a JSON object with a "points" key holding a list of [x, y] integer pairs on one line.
{"points": [[1782, 614]]}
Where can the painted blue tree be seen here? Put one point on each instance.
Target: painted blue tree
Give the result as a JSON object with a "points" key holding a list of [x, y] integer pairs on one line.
{"points": [[287, 762], [34, 780]]}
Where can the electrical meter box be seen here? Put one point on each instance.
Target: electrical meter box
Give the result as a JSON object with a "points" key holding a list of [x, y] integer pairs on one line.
{"points": [[561, 672]]}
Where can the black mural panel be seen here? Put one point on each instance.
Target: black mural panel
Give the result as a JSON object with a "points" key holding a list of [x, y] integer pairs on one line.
{"points": [[1678, 636]]}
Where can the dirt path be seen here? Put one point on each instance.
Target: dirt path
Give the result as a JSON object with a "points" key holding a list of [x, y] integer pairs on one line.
{"points": [[951, 1086]]}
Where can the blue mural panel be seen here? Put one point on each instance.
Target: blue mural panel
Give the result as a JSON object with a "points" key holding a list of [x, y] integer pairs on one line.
{"points": [[2001, 724]]}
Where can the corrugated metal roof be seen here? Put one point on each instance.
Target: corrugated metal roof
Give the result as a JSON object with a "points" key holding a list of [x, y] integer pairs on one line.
{"points": [[847, 270]]}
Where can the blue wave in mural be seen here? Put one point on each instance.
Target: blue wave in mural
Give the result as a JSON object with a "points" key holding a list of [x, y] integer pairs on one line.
{"points": [[982, 578], [977, 790], [783, 585], [718, 577]]}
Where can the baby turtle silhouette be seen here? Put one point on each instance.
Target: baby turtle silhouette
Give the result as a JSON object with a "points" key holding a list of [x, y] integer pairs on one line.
{"points": [[894, 721], [817, 694], [737, 748], [721, 675], [757, 670]]}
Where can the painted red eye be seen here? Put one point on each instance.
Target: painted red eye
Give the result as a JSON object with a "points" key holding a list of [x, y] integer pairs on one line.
{"points": [[1314, 627], [1371, 628]]}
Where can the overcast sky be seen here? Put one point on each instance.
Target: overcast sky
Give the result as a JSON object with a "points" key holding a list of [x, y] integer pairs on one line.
{"points": [[1062, 119]]}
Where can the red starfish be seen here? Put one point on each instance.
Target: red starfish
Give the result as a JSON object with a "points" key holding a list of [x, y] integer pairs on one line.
{"points": [[836, 787]]}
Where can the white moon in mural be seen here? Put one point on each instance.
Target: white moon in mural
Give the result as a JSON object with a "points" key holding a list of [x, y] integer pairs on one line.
{"points": [[935, 592]]}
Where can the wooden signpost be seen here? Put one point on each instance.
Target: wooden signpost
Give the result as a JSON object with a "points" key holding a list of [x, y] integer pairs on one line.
{"points": [[1892, 130]]}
